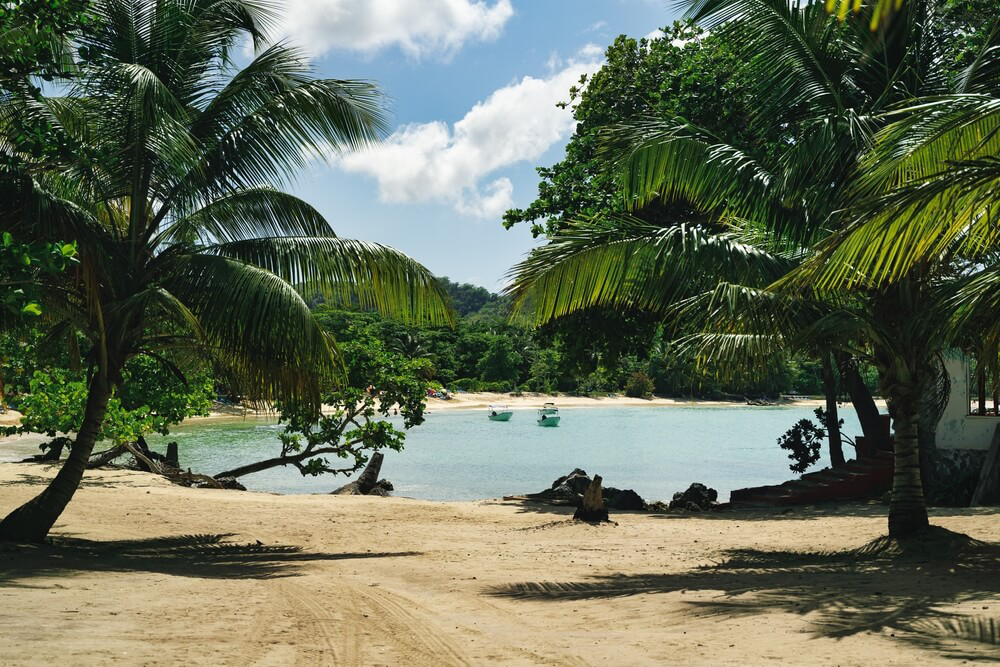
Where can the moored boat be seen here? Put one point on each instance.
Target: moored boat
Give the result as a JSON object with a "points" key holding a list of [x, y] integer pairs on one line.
{"points": [[548, 415], [500, 413]]}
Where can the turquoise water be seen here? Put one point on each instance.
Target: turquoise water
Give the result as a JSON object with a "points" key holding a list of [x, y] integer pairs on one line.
{"points": [[461, 455]]}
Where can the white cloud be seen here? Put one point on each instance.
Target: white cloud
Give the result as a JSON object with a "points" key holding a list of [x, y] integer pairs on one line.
{"points": [[419, 27], [591, 52], [457, 165], [656, 34]]}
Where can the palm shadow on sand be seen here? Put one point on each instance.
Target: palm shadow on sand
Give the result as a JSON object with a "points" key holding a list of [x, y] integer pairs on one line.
{"points": [[903, 590], [200, 556]]}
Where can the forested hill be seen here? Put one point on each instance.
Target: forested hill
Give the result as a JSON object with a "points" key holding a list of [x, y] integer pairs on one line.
{"points": [[468, 299]]}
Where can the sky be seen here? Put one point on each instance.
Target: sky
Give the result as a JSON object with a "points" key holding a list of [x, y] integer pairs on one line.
{"points": [[472, 88]]}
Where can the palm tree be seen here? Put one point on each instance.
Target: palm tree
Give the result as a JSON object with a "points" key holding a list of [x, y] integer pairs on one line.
{"points": [[184, 244], [832, 84]]}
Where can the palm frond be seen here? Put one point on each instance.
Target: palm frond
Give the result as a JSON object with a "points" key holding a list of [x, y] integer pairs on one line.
{"points": [[672, 160], [347, 271], [626, 263], [791, 47], [247, 214], [256, 324]]}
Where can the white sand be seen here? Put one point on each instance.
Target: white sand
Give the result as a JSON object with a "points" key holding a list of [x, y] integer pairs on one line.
{"points": [[139, 575]]}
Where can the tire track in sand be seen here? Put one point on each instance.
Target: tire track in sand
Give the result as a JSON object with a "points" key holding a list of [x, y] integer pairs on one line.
{"points": [[405, 631], [331, 629]]}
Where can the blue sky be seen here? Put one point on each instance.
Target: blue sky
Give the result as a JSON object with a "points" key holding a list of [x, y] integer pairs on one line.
{"points": [[473, 86]]}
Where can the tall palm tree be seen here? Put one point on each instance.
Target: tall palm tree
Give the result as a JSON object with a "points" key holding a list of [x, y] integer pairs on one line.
{"points": [[184, 244], [832, 84]]}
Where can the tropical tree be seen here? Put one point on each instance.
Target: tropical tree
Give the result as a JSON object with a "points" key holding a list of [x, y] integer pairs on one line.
{"points": [[832, 83], [183, 241]]}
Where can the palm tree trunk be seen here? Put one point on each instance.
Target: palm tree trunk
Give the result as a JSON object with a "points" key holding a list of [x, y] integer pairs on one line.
{"points": [[907, 511], [32, 521], [832, 417]]}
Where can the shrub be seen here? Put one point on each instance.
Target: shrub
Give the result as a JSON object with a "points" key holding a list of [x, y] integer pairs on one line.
{"points": [[466, 384], [639, 385]]}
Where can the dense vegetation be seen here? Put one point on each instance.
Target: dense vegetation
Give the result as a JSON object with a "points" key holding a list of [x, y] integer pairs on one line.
{"points": [[860, 235], [160, 162]]}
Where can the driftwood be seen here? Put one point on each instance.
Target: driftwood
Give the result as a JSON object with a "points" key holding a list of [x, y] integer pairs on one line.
{"points": [[53, 451], [592, 509], [988, 489], [181, 477], [107, 456]]}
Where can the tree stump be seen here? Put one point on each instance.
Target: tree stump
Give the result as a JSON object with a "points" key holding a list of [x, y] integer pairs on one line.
{"points": [[172, 458], [53, 450], [365, 482], [368, 478], [592, 509]]}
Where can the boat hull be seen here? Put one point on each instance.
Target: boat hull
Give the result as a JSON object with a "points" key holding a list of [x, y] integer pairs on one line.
{"points": [[548, 420], [501, 417]]}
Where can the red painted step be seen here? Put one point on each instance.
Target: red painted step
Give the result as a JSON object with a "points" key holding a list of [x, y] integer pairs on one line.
{"points": [[855, 480]]}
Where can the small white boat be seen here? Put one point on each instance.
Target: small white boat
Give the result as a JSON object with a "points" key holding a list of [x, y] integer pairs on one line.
{"points": [[548, 415], [500, 413]]}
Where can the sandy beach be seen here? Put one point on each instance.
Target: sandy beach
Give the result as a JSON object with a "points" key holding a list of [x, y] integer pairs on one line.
{"points": [[143, 572], [528, 400]]}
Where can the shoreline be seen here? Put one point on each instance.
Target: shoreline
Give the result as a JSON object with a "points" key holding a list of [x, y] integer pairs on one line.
{"points": [[474, 400], [140, 571], [527, 401]]}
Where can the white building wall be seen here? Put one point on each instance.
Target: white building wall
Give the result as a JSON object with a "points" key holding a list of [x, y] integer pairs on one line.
{"points": [[957, 428]]}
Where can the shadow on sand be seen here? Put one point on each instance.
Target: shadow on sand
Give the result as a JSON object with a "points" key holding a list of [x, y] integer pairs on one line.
{"points": [[861, 509], [903, 589], [201, 556]]}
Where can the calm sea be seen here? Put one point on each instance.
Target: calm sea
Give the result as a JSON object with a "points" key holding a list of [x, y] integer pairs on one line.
{"points": [[461, 455]]}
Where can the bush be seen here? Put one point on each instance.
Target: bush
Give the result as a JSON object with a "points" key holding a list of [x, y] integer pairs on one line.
{"points": [[639, 385], [466, 384], [497, 387]]}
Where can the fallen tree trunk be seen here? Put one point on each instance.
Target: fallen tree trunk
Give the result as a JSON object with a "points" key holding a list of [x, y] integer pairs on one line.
{"points": [[177, 476], [592, 508], [107, 456]]}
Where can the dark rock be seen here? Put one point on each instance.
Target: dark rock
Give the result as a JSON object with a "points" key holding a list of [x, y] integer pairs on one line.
{"points": [[577, 480], [698, 497], [562, 480], [381, 488], [561, 495], [565, 492], [623, 499], [570, 489]]}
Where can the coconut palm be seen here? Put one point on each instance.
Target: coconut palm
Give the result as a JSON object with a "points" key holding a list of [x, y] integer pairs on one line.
{"points": [[184, 243], [832, 84]]}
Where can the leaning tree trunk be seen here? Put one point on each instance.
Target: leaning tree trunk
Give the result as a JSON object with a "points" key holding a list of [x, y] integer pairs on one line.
{"points": [[864, 404], [32, 521], [832, 417], [907, 510]]}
